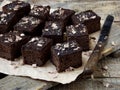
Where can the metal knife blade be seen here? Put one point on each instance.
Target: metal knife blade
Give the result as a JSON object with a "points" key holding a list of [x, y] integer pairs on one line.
{"points": [[102, 41]]}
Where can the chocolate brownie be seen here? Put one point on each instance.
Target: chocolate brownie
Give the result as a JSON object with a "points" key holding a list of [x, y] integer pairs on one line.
{"points": [[62, 14], [29, 25], [89, 18], [7, 21], [66, 55], [54, 30], [21, 8], [41, 12], [80, 34], [37, 51], [11, 43]]}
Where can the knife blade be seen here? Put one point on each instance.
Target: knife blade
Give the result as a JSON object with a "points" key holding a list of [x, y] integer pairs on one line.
{"points": [[102, 41]]}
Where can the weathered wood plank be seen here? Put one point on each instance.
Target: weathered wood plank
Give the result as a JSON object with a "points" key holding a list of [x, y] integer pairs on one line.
{"points": [[89, 84], [108, 67], [23, 83]]}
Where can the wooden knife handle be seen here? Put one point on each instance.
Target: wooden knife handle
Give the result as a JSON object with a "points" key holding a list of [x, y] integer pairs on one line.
{"points": [[102, 41]]}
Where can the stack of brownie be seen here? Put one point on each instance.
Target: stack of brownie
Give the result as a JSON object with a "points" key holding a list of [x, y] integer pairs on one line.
{"points": [[30, 26], [11, 14], [11, 41], [37, 51], [80, 34], [66, 55], [39, 36], [54, 30], [33, 23], [7, 21], [89, 18], [40, 12], [63, 15]]}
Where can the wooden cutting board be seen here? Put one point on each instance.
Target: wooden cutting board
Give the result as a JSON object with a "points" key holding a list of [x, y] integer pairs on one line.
{"points": [[103, 8]]}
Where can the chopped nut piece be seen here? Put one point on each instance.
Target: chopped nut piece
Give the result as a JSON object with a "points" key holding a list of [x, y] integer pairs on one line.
{"points": [[34, 65], [113, 43]]}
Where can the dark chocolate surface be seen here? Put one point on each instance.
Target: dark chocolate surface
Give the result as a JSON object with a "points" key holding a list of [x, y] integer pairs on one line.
{"points": [[27, 24], [53, 28], [11, 43], [11, 37], [62, 14], [7, 21], [41, 12], [15, 6], [89, 18], [37, 43], [86, 15], [66, 48], [76, 30], [5, 18], [37, 51]]}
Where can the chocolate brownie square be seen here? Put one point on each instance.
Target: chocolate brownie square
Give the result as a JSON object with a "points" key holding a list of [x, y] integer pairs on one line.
{"points": [[37, 51], [62, 14], [30, 26], [21, 8], [80, 34], [89, 18], [66, 55], [54, 30], [7, 21], [41, 12], [11, 43]]}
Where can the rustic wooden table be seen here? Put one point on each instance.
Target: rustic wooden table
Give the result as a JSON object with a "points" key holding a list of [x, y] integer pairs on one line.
{"points": [[107, 75]]}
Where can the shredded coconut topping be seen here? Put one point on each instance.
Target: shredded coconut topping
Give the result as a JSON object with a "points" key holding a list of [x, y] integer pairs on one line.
{"points": [[66, 47]]}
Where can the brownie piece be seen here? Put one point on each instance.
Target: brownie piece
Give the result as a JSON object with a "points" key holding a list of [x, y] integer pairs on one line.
{"points": [[62, 14], [89, 18], [30, 26], [80, 34], [11, 43], [54, 30], [66, 55], [37, 51], [7, 21], [21, 8], [41, 12]]}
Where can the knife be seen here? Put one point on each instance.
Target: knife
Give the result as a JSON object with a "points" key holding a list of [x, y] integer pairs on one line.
{"points": [[102, 41]]}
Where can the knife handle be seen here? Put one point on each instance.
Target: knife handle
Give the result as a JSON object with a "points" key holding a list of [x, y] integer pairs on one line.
{"points": [[106, 28], [96, 54]]}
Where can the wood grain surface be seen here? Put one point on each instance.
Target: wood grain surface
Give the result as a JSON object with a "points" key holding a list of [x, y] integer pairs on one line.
{"points": [[107, 75]]}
